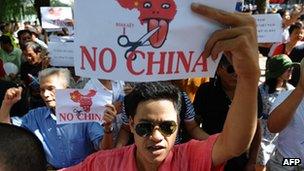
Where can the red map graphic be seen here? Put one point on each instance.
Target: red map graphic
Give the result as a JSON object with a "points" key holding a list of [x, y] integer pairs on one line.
{"points": [[85, 101], [156, 13]]}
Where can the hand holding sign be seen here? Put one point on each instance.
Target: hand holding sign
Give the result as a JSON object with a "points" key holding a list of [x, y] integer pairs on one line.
{"points": [[242, 34], [109, 115]]}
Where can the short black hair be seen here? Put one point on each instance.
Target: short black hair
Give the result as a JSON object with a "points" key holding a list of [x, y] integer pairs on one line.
{"points": [[20, 149], [152, 91], [5, 40], [296, 25], [21, 32], [282, 12]]}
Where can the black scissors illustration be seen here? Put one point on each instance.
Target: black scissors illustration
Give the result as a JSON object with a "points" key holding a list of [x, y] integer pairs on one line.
{"points": [[77, 111], [124, 41]]}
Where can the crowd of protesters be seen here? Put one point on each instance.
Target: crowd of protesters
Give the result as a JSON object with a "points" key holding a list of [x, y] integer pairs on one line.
{"points": [[231, 122]]}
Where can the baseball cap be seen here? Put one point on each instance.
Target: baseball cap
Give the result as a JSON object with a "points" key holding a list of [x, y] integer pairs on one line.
{"points": [[277, 65]]}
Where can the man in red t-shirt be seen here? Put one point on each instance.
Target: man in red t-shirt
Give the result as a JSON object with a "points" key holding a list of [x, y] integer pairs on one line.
{"points": [[154, 108]]}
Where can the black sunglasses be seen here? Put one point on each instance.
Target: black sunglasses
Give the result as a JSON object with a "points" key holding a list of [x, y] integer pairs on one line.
{"points": [[146, 128]]}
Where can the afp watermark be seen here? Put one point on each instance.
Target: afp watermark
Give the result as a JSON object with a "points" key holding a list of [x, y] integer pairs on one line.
{"points": [[291, 162]]}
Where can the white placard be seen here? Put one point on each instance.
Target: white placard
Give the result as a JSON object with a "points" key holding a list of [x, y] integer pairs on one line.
{"points": [[75, 106], [56, 17], [61, 53], [269, 28], [167, 38]]}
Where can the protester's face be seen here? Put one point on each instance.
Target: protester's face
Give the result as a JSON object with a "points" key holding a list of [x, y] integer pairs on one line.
{"points": [[26, 37], [154, 148], [287, 74], [297, 34], [48, 86], [7, 47], [228, 78], [286, 16], [31, 56]]}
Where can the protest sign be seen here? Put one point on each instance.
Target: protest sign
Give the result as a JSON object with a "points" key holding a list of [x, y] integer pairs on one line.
{"points": [[56, 17], [143, 40], [269, 28], [74, 106], [61, 53]]}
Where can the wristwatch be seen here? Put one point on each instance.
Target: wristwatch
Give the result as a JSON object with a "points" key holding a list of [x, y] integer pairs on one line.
{"points": [[109, 131]]}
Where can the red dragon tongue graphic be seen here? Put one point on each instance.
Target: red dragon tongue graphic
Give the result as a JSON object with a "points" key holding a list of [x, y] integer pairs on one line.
{"points": [[156, 13], [158, 38]]}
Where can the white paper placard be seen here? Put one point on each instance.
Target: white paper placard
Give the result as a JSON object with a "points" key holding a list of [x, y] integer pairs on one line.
{"points": [[56, 17], [75, 106], [61, 53], [167, 38], [269, 28]]}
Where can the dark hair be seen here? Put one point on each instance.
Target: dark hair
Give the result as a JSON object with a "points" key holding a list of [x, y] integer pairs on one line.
{"points": [[272, 83], [5, 40], [20, 149], [152, 91], [296, 25], [282, 12], [21, 32]]}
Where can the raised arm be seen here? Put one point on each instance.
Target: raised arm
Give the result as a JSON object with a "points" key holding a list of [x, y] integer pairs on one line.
{"points": [[241, 43], [109, 115], [281, 116], [12, 96]]}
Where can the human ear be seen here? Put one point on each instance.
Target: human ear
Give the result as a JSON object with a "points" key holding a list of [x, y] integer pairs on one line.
{"points": [[131, 125]]}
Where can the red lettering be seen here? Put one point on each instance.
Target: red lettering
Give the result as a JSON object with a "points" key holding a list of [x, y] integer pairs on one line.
{"points": [[62, 116], [151, 62], [97, 117], [85, 53], [170, 63], [70, 117], [202, 62], [113, 60], [130, 62], [182, 57]]}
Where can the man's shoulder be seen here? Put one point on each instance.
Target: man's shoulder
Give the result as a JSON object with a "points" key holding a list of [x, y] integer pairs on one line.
{"points": [[38, 112], [192, 146]]}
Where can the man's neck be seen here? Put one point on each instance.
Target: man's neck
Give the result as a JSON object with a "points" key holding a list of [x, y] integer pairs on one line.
{"points": [[144, 165]]}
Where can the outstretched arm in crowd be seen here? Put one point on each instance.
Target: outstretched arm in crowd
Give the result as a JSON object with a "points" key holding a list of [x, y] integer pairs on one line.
{"points": [[195, 131], [241, 120], [12, 96], [281, 116], [123, 136]]}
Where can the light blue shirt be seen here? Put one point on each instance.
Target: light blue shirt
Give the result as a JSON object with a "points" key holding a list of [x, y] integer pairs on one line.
{"points": [[65, 145]]}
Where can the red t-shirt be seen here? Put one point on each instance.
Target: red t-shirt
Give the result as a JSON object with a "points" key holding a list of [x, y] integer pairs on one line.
{"points": [[191, 156], [279, 49]]}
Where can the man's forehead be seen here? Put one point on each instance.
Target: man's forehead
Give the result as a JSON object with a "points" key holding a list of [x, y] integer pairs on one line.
{"points": [[156, 110]]}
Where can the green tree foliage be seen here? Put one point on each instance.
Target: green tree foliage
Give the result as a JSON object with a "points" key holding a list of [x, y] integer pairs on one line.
{"points": [[10, 10], [17, 9]]}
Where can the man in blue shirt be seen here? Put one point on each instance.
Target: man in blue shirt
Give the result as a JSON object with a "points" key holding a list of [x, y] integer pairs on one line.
{"points": [[65, 145]]}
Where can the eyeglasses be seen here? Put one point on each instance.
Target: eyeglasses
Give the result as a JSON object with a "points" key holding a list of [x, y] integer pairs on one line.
{"points": [[230, 69], [146, 128]]}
